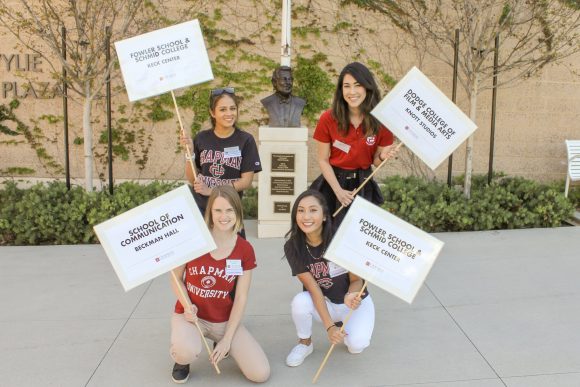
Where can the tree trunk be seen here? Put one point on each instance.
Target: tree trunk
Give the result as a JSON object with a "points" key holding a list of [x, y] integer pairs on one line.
{"points": [[469, 144], [88, 139]]}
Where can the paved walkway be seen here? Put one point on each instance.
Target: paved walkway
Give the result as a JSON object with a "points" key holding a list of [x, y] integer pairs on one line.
{"points": [[499, 308]]}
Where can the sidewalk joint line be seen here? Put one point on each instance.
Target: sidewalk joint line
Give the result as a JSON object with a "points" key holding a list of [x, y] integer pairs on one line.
{"points": [[119, 333], [431, 382], [464, 333], [544, 374]]}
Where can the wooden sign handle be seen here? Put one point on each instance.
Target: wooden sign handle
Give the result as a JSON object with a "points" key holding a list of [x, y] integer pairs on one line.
{"points": [[371, 175], [186, 298], [342, 330], [188, 152]]}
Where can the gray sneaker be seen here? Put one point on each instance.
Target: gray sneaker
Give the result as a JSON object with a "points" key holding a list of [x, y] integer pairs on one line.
{"points": [[298, 354]]}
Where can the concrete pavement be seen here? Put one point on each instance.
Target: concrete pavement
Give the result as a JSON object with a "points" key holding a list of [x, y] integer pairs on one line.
{"points": [[499, 308]]}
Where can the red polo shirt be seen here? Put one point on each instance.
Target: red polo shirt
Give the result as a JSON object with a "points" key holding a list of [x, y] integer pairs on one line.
{"points": [[362, 148]]}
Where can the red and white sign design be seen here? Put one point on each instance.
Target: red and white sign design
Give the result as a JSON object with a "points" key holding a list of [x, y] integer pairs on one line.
{"points": [[423, 118], [163, 60], [383, 249], [155, 237]]}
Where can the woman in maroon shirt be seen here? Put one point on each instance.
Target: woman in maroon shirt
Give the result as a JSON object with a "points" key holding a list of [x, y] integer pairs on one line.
{"points": [[217, 284]]}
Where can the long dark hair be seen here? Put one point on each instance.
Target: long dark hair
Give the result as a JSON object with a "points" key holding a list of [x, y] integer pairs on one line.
{"points": [[295, 246], [340, 108]]}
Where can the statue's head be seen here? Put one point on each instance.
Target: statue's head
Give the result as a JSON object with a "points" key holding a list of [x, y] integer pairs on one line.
{"points": [[282, 81]]}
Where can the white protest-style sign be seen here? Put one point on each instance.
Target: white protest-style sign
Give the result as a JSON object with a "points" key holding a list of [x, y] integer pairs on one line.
{"points": [[383, 249], [155, 237], [163, 60], [423, 118]]}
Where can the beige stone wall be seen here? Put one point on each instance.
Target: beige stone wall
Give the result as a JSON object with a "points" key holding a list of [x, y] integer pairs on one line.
{"points": [[534, 117], [533, 120]]}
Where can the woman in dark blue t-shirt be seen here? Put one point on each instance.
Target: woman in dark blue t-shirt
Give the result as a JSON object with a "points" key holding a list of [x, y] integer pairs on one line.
{"points": [[330, 292], [223, 154]]}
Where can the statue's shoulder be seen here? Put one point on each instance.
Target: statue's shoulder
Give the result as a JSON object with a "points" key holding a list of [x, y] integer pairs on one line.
{"points": [[269, 99], [299, 101]]}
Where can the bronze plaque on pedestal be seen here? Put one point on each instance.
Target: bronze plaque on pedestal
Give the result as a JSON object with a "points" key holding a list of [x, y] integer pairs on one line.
{"points": [[281, 207], [283, 162], [281, 185]]}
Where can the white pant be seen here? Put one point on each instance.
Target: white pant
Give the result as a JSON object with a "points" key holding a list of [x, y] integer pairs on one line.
{"points": [[359, 327]]}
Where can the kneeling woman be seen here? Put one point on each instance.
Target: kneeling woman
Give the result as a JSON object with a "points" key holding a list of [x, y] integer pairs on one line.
{"points": [[218, 312], [329, 290]]}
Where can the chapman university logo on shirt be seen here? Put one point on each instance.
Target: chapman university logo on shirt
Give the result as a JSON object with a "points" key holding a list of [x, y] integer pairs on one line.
{"points": [[325, 283], [209, 156], [208, 281], [217, 170], [321, 274], [216, 163]]}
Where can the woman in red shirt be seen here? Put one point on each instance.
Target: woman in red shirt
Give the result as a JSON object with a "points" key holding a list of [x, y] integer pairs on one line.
{"points": [[217, 284], [350, 140]]}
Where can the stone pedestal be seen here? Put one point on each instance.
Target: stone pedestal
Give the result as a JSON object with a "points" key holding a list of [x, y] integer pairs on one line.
{"points": [[284, 156]]}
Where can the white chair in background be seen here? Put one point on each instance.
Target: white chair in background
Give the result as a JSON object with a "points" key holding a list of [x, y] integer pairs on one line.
{"points": [[573, 147]]}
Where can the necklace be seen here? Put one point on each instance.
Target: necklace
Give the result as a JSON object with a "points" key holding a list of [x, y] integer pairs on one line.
{"points": [[313, 257]]}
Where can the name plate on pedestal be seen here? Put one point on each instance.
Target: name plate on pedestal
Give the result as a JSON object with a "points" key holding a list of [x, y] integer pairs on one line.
{"points": [[283, 162], [281, 185], [281, 207], [284, 155]]}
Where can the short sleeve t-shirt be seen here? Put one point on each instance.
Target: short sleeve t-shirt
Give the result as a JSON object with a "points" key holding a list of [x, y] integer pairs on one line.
{"points": [[355, 151], [332, 279], [221, 161], [209, 286]]}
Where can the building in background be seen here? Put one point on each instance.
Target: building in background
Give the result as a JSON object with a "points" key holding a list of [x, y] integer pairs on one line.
{"points": [[534, 117]]}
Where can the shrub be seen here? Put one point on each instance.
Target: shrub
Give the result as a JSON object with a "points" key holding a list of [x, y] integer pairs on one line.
{"points": [[573, 191], [507, 203], [250, 203], [50, 214]]}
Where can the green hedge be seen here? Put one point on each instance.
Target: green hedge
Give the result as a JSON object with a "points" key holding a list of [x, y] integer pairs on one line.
{"points": [[49, 214], [250, 203], [507, 203], [573, 192]]}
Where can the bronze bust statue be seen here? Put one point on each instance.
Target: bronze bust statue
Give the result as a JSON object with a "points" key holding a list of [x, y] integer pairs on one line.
{"points": [[284, 109]]}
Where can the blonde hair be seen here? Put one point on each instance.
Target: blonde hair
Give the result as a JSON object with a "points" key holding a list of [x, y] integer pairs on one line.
{"points": [[231, 195]]}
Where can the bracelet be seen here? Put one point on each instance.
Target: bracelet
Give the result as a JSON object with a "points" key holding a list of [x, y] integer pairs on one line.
{"points": [[327, 329]]}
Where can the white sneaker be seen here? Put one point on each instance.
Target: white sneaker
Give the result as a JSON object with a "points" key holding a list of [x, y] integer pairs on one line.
{"points": [[298, 354]]}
